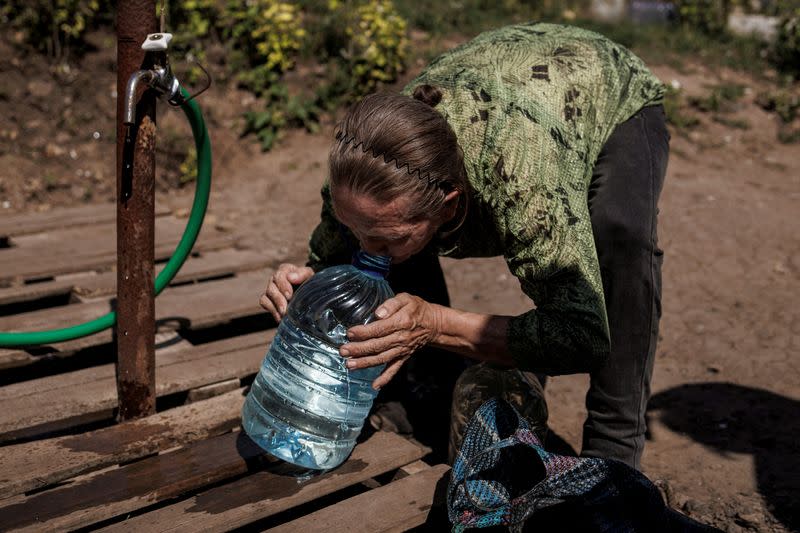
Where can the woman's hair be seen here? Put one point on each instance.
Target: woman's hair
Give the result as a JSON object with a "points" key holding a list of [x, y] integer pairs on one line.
{"points": [[390, 145]]}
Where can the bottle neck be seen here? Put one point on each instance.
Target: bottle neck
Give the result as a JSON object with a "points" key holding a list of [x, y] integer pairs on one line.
{"points": [[376, 266]]}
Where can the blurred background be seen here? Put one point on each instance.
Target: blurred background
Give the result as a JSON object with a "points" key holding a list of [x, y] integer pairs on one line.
{"points": [[293, 64], [723, 429]]}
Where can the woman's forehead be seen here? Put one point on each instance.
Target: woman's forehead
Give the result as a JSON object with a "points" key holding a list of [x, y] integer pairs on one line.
{"points": [[366, 208]]}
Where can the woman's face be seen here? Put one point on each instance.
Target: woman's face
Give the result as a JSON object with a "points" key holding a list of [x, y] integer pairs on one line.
{"points": [[382, 228]]}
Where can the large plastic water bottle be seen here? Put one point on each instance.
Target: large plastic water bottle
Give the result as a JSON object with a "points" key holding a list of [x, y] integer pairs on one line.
{"points": [[305, 406]]}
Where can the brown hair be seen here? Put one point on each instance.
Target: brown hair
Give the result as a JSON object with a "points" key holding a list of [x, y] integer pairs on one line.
{"points": [[389, 145]]}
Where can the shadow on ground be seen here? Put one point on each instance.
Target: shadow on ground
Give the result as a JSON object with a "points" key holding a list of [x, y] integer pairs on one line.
{"points": [[733, 418]]}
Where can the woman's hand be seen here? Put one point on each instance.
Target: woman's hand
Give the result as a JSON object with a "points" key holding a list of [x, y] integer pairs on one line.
{"points": [[406, 323], [280, 288]]}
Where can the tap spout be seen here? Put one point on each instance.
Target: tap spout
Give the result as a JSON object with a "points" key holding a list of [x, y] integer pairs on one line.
{"points": [[146, 76]]}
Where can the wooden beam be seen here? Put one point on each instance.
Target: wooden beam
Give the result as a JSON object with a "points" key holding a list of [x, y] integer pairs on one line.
{"points": [[56, 402], [399, 506], [116, 493], [191, 307], [93, 247], [84, 215], [210, 264], [38, 464]]}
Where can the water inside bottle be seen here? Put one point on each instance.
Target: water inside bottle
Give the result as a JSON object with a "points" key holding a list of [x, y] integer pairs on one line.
{"points": [[305, 406], [313, 408]]}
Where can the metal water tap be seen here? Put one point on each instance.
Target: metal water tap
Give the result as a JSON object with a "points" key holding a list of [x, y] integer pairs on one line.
{"points": [[160, 78]]}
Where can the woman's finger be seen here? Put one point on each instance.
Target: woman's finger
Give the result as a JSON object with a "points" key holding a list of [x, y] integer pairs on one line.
{"points": [[267, 304], [390, 306], [373, 330], [281, 281], [389, 372], [373, 345], [382, 327], [279, 301], [375, 360], [299, 274]]}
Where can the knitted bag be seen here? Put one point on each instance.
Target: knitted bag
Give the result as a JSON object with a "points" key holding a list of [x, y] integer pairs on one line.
{"points": [[502, 476]]}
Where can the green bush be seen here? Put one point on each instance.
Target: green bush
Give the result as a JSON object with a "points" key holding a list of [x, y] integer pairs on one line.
{"points": [[187, 171], [377, 47], [268, 35], [192, 19], [473, 16], [675, 110], [783, 102], [56, 27], [721, 99], [193, 24], [787, 44], [780, 8], [281, 111], [708, 16]]}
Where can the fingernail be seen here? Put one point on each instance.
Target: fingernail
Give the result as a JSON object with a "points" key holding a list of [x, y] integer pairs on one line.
{"points": [[381, 313], [350, 364], [344, 352], [287, 294]]}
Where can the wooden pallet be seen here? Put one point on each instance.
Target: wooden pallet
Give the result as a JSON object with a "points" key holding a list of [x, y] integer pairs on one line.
{"points": [[66, 464], [216, 483]]}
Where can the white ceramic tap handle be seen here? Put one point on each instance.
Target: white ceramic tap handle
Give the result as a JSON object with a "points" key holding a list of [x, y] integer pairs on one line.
{"points": [[157, 42]]}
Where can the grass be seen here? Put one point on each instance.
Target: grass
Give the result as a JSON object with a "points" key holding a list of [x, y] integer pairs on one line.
{"points": [[656, 44], [671, 45], [467, 17], [735, 123], [675, 109]]}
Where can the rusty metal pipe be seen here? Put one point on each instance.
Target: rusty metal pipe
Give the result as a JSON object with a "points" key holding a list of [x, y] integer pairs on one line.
{"points": [[135, 332]]}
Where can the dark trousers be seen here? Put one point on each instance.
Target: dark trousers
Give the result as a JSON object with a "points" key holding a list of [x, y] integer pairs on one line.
{"points": [[623, 204], [623, 198]]}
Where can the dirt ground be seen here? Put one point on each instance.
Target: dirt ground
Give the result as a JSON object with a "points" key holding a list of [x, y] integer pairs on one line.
{"points": [[723, 417]]}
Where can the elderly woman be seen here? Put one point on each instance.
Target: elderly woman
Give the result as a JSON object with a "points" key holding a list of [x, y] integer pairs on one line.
{"points": [[540, 143]]}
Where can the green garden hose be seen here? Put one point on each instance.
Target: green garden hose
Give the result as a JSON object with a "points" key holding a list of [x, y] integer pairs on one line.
{"points": [[203, 146]]}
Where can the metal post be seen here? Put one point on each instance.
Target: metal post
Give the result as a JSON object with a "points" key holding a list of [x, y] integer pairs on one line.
{"points": [[135, 333]]}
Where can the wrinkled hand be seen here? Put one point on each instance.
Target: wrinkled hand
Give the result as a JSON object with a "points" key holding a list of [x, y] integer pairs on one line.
{"points": [[405, 324], [280, 288]]}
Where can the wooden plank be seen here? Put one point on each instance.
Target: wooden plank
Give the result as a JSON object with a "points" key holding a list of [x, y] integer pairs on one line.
{"points": [[36, 291], [37, 464], [137, 485], [398, 506], [55, 402], [210, 264], [194, 306], [205, 392], [266, 493], [410, 469], [26, 223], [133, 486], [63, 251]]}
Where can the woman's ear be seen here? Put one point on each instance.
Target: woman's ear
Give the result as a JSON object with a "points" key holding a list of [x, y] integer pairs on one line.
{"points": [[450, 205]]}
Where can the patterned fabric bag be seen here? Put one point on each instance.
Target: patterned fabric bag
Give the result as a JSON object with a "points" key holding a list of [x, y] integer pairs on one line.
{"points": [[502, 476]]}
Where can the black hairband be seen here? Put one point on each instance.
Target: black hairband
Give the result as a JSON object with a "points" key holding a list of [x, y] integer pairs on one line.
{"points": [[341, 137]]}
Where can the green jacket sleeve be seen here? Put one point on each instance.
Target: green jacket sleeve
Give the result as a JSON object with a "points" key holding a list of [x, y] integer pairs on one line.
{"points": [[550, 249], [566, 333]]}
